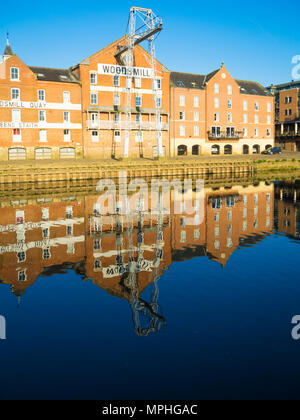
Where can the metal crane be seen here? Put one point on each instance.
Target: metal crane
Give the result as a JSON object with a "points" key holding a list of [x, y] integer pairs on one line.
{"points": [[143, 25]]}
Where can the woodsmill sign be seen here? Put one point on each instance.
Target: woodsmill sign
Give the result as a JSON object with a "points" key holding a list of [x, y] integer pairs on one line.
{"points": [[113, 70]]}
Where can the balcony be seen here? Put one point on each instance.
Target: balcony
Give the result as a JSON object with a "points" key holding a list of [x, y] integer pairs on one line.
{"points": [[123, 125], [225, 136], [288, 134]]}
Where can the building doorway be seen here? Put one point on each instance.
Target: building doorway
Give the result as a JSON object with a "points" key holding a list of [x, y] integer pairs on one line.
{"points": [[182, 150]]}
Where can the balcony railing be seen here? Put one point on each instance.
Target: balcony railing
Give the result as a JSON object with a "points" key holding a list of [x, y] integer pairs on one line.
{"points": [[288, 134], [123, 125], [225, 136]]}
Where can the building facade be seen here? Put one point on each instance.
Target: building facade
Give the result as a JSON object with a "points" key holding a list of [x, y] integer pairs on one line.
{"points": [[216, 114], [96, 110], [287, 115], [40, 111]]}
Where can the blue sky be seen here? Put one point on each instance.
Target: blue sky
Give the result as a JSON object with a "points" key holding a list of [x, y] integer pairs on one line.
{"points": [[252, 39]]}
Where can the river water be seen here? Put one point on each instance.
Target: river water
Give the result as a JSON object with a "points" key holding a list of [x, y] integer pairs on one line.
{"points": [[151, 303]]}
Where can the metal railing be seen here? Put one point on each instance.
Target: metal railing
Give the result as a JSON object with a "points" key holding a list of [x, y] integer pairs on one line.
{"points": [[225, 136]]}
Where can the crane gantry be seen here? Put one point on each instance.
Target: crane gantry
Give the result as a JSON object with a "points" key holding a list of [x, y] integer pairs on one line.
{"points": [[143, 25]]}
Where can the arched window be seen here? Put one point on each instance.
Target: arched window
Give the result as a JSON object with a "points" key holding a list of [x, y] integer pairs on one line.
{"points": [[17, 153], [182, 150], [43, 153], [196, 150], [246, 149], [215, 149], [228, 149], [256, 149], [67, 153]]}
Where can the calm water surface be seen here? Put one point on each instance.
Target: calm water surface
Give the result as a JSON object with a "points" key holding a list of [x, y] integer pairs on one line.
{"points": [[150, 306]]}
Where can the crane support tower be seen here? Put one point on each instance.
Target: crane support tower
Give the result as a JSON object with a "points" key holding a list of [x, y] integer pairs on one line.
{"points": [[143, 25]]}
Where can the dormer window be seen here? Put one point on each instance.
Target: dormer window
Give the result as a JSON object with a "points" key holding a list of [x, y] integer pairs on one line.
{"points": [[180, 84], [14, 73]]}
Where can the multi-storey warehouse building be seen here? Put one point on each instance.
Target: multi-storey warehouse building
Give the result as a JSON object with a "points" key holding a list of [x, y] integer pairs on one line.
{"points": [[287, 115], [216, 114], [104, 108], [40, 111]]}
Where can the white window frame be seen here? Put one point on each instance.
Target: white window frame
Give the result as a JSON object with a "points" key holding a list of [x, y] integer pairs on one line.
{"points": [[18, 94], [217, 88], [95, 138], [16, 115], [217, 103], [43, 136], [196, 115], [196, 131], [196, 101], [67, 135], [42, 112], [229, 89], [181, 115], [17, 79], [68, 119], [138, 82], [67, 97], [116, 80], [182, 100], [138, 101], [245, 107], [139, 137], [95, 96], [41, 95], [182, 130], [229, 117], [93, 73], [117, 100]]}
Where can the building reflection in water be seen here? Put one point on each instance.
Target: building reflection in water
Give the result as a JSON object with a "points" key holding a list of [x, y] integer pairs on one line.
{"points": [[127, 254]]}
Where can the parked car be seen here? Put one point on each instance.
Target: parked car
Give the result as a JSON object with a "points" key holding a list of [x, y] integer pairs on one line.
{"points": [[266, 151], [275, 151]]}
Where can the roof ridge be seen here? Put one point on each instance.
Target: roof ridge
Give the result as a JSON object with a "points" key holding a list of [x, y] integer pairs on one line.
{"points": [[47, 68]]}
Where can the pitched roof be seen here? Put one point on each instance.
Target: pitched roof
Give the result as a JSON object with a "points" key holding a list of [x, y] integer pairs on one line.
{"points": [[198, 81], [187, 80], [54, 75], [252, 88]]}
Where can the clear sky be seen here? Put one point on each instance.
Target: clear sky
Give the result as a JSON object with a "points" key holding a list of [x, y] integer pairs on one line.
{"points": [[256, 39]]}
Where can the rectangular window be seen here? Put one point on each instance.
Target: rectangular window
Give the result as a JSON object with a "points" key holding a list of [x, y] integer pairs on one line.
{"points": [[21, 256], [196, 101], [183, 236], [117, 136], [46, 253], [229, 103], [182, 115], [95, 137], [138, 82], [217, 88], [256, 132], [216, 117], [67, 97], [269, 106], [16, 115], [42, 116], [43, 136], [268, 132], [94, 99], [182, 100], [138, 118], [245, 105], [196, 131], [229, 90], [67, 135], [182, 130], [116, 100], [158, 84], [288, 112], [93, 78], [158, 102], [256, 106], [14, 73], [69, 212], [66, 116], [229, 117], [217, 103], [15, 94], [196, 116], [216, 131], [138, 101], [245, 118], [116, 81], [288, 100], [41, 95], [17, 135], [45, 214], [256, 119], [245, 132]]}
